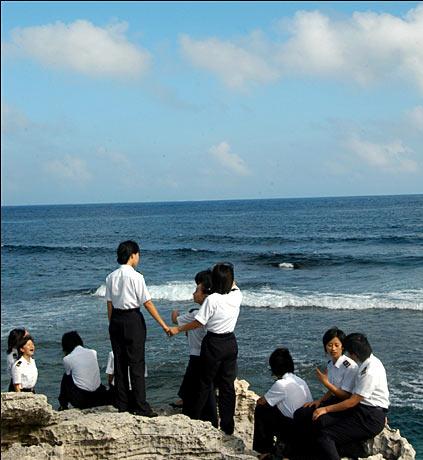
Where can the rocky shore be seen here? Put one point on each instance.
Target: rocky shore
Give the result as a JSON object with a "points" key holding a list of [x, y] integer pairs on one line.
{"points": [[31, 429]]}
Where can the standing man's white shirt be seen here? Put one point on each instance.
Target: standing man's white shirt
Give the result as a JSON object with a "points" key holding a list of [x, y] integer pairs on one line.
{"points": [[219, 312], [289, 393], [126, 288], [24, 373], [371, 383], [342, 374], [82, 365]]}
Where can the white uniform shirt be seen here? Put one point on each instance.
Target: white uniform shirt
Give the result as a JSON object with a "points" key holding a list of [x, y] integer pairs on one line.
{"points": [[25, 373], [126, 288], [219, 312], [12, 357], [82, 364], [371, 383], [195, 336], [342, 374], [288, 393], [110, 369]]}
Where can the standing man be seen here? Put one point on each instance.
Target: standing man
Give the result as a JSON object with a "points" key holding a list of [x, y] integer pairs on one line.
{"points": [[126, 291]]}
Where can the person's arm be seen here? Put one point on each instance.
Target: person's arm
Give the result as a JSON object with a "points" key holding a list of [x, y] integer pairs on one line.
{"points": [[349, 403], [174, 316], [17, 387], [186, 327], [109, 309], [150, 307], [318, 402], [338, 392]]}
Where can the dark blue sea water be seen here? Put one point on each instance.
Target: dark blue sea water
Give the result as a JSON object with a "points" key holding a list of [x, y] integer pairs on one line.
{"points": [[303, 265]]}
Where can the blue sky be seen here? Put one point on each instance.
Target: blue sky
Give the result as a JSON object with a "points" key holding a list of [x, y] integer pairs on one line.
{"points": [[162, 101]]}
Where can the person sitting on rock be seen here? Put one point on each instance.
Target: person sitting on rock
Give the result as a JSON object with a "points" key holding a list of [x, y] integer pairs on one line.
{"points": [[274, 411], [190, 382], [81, 385], [24, 370], [363, 415], [15, 336]]}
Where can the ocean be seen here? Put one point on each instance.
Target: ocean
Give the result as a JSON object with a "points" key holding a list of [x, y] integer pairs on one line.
{"points": [[303, 265]]}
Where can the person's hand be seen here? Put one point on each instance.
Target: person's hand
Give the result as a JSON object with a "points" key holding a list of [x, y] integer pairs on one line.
{"points": [[315, 403], [261, 401], [173, 331], [322, 376], [166, 328], [319, 412]]}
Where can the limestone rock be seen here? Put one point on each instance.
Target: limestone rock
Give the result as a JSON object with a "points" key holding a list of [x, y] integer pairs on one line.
{"points": [[392, 444], [27, 408]]}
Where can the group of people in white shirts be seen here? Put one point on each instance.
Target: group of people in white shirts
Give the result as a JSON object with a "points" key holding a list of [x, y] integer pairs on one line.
{"points": [[352, 409]]}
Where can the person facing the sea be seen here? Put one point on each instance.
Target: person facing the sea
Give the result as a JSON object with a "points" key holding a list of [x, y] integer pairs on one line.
{"points": [[126, 292], [361, 416], [190, 382], [274, 411], [15, 336], [81, 384], [24, 370], [219, 349]]}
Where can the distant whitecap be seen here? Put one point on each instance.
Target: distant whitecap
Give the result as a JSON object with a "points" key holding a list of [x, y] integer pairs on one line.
{"points": [[286, 266]]}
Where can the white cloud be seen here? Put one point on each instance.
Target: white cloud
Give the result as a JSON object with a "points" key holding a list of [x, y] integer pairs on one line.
{"points": [[70, 168], [415, 117], [366, 48], [389, 157], [81, 47], [228, 160], [234, 64]]}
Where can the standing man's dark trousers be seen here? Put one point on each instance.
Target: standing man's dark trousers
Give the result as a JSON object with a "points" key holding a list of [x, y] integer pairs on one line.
{"points": [[127, 335], [218, 365], [340, 428], [270, 422]]}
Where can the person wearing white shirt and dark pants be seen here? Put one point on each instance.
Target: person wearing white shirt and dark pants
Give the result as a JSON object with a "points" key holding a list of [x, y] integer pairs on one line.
{"points": [[24, 371], [81, 384], [274, 411], [126, 292], [219, 349], [363, 415]]}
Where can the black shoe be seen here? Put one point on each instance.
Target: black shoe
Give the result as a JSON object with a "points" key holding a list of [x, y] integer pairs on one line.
{"points": [[149, 414]]}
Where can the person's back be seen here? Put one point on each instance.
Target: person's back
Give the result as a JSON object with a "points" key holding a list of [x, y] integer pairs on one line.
{"points": [[82, 364]]}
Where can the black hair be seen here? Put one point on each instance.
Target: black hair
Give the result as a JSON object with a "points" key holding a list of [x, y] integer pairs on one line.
{"points": [[281, 362], [359, 345], [125, 251], [22, 342], [70, 340], [15, 336], [331, 334], [205, 279], [222, 277]]}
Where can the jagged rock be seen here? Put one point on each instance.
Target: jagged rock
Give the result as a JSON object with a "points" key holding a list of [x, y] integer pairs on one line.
{"points": [[32, 430]]}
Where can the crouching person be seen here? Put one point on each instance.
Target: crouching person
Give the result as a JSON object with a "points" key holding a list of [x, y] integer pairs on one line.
{"points": [[81, 384], [363, 415], [275, 410]]}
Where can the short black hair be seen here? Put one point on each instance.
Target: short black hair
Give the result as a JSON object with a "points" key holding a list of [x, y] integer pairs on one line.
{"points": [[281, 362], [15, 336], [331, 334], [358, 344], [70, 340], [222, 277], [125, 251], [22, 342], [205, 279]]}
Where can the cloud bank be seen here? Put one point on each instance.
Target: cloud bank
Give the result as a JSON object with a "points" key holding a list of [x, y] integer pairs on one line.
{"points": [[81, 47], [230, 161], [69, 168], [366, 48]]}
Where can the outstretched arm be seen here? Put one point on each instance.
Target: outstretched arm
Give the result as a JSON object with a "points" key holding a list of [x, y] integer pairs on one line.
{"points": [[338, 392], [186, 327], [349, 403], [150, 307]]}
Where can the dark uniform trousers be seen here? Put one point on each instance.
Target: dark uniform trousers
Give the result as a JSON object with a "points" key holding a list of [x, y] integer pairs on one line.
{"points": [[189, 389], [340, 428], [127, 335], [218, 366], [79, 398], [269, 422]]}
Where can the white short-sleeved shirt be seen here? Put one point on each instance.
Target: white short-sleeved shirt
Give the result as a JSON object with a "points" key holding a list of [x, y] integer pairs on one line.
{"points": [[219, 312], [371, 383], [289, 393], [195, 336], [342, 373], [25, 373], [110, 369], [82, 364], [126, 288], [12, 357]]}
